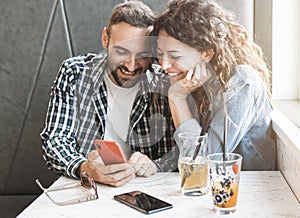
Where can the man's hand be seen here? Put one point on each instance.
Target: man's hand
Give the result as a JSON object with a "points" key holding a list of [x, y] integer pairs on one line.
{"points": [[114, 174], [142, 165]]}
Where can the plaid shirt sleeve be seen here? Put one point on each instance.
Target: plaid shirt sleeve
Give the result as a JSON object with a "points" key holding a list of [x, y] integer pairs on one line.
{"points": [[153, 128], [58, 136], [168, 152]]}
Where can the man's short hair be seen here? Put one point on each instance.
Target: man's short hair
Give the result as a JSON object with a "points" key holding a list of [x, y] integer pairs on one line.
{"points": [[134, 13]]}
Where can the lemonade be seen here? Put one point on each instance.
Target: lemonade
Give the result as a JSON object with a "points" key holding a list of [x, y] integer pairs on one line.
{"points": [[194, 176]]}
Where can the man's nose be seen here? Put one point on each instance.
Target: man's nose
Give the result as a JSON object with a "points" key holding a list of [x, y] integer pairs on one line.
{"points": [[164, 63], [131, 64]]}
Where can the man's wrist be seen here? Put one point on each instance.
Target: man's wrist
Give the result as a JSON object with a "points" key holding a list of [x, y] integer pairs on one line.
{"points": [[80, 169]]}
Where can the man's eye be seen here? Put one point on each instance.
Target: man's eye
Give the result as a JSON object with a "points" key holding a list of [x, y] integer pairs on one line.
{"points": [[121, 52]]}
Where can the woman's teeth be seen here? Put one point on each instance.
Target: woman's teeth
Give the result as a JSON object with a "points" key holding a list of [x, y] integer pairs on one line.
{"points": [[173, 74]]}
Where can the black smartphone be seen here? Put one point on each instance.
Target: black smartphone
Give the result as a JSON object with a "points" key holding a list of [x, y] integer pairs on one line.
{"points": [[143, 202]]}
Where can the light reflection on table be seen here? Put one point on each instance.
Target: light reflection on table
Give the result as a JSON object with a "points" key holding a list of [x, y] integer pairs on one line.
{"points": [[261, 194]]}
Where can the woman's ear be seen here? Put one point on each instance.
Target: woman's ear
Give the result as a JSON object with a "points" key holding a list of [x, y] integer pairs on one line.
{"points": [[104, 38], [208, 55]]}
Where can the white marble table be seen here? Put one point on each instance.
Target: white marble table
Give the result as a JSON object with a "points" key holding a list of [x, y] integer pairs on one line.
{"points": [[261, 194]]}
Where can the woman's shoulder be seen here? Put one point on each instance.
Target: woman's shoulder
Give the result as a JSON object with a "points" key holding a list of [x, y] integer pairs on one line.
{"points": [[246, 74], [246, 81]]}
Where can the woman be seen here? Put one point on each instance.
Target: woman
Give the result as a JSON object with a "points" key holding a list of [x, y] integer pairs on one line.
{"points": [[216, 70]]}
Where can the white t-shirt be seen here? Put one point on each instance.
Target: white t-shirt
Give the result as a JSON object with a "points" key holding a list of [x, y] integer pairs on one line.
{"points": [[120, 101]]}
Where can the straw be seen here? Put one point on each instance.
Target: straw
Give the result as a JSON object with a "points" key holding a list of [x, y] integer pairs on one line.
{"points": [[225, 138], [203, 132], [224, 143]]}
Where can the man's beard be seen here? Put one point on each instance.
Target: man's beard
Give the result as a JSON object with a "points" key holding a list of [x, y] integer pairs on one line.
{"points": [[126, 82]]}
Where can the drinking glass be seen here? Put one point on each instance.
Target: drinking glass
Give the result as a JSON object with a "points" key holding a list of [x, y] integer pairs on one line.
{"points": [[193, 172], [224, 181]]}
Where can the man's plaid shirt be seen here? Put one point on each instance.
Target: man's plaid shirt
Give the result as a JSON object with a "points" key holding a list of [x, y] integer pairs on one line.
{"points": [[77, 113]]}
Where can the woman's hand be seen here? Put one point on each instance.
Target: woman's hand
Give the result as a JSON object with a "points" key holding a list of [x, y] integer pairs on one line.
{"points": [[179, 91], [193, 80]]}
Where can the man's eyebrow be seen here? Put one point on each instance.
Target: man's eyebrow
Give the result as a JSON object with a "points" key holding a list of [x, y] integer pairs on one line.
{"points": [[122, 48]]}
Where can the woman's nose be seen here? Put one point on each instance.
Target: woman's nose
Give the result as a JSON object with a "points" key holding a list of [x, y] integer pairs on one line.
{"points": [[164, 63]]}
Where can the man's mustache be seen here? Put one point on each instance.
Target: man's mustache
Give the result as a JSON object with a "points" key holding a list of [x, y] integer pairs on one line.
{"points": [[128, 72]]}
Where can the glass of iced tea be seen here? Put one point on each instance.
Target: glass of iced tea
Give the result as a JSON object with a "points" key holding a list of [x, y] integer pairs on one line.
{"points": [[193, 168], [224, 181]]}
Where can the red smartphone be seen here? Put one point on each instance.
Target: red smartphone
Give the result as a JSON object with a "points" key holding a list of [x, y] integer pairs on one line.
{"points": [[110, 152]]}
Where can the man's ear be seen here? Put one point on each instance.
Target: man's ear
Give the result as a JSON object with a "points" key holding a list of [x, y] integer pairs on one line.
{"points": [[208, 55], [104, 38]]}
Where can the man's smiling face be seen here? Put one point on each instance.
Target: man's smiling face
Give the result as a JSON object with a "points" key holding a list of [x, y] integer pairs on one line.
{"points": [[128, 51]]}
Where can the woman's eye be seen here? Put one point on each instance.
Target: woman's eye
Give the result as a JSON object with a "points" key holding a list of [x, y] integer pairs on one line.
{"points": [[175, 57]]}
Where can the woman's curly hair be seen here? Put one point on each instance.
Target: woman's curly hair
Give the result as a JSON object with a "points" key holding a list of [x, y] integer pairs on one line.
{"points": [[203, 25]]}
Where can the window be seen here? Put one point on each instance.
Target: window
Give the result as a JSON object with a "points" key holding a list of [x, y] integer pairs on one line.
{"points": [[286, 58], [285, 50], [277, 30]]}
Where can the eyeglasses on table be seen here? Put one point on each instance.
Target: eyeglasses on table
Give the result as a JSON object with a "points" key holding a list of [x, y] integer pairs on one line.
{"points": [[85, 181]]}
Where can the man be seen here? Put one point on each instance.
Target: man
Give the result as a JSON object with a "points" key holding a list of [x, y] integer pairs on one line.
{"points": [[112, 96]]}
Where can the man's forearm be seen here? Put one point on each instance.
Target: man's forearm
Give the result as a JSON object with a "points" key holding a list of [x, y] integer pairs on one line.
{"points": [[169, 162]]}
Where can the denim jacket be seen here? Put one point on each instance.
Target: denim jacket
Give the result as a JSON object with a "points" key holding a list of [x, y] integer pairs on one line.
{"points": [[249, 130]]}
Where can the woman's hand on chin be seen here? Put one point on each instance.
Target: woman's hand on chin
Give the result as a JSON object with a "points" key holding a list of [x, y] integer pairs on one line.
{"points": [[193, 80]]}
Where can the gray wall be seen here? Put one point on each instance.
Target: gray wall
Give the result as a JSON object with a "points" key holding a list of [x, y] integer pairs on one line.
{"points": [[33, 43], [263, 26]]}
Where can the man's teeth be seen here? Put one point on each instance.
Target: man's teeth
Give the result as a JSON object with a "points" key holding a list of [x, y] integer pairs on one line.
{"points": [[127, 72], [173, 74]]}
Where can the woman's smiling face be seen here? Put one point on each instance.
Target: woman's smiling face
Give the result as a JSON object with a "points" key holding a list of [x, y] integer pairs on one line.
{"points": [[175, 57]]}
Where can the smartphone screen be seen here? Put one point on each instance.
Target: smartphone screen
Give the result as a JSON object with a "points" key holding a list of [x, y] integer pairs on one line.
{"points": [[143, 202]]}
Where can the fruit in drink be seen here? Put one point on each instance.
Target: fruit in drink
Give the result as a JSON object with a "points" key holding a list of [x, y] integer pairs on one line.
{"points": [[225, 196]]}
